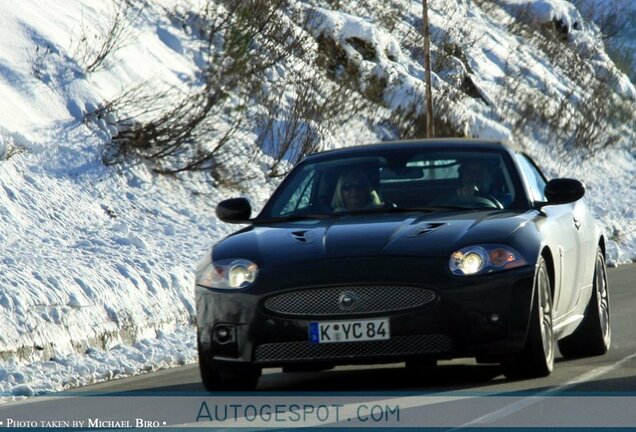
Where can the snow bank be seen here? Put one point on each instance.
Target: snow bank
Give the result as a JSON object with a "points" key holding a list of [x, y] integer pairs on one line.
{"points": [[18, 380], [92, 258]]}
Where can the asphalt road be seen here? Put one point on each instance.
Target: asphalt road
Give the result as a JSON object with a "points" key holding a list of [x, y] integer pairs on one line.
{"points": [[526, 403], [462, 374]]}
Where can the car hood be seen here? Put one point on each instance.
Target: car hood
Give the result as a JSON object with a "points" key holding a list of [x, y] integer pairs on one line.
{"points": [[407, 234]]}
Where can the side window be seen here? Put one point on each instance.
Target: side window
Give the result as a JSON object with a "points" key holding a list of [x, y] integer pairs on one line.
{"points": [[301, 198], [533, 178]]}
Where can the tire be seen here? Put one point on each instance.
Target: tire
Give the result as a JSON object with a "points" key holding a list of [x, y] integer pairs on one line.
{"points": [[593, 336], [215, 379], [537, 357]]}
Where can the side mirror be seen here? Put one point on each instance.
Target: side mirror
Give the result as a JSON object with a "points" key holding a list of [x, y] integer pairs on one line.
{"points": [[234, 210], [564, 191]]}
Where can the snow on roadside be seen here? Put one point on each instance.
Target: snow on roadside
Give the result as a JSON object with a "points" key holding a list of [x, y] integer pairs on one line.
{"points": [[93, 259], [175, 348]]}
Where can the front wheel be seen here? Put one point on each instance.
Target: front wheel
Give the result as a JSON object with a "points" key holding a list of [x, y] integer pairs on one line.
{"points": [[537, 357], [593, 335]]}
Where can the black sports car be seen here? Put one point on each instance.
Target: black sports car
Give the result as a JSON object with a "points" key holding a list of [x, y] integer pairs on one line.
{"points": [[405, 252]]}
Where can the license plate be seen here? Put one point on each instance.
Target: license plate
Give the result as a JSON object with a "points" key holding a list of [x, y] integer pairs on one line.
{"points": [[349, 331]]}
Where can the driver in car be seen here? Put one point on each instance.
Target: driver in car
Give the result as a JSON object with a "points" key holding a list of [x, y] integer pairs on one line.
{"points": [[475, 177], [354, 192], [478, 181]]}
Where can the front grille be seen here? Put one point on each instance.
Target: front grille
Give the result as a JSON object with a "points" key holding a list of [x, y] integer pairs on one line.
{"points": [[397, 346], [368, 299]]}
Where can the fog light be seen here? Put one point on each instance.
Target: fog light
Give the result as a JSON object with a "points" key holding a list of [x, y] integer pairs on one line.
{"points": [[494, 318], [222, 334]]}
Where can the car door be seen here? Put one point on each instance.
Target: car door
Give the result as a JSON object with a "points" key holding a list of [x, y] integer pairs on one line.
{"points": [[588, 237], [562, 230]]}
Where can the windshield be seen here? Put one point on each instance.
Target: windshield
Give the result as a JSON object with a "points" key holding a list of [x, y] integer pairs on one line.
{"points": [[397, 180]]}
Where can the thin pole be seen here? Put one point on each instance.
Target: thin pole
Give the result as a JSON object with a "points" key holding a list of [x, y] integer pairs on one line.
{"points": [[430, 132]]}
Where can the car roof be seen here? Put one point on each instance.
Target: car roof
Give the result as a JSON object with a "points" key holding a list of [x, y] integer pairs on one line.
{"points": [[430, 144]]}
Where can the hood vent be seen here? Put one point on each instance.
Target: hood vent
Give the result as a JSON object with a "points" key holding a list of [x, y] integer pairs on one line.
{"points": [[425, 229], [303, 236]]}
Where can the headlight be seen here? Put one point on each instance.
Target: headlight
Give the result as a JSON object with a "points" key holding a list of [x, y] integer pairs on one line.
{"points": [[481, 259], [226, 274]]}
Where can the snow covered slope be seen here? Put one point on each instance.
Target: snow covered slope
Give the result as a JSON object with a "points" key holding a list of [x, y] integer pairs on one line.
{"points": [[617, 19], [97, 260], [92, 257]]}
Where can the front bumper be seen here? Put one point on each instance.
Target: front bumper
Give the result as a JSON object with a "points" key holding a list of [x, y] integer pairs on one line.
{"points": [[482, 316]]}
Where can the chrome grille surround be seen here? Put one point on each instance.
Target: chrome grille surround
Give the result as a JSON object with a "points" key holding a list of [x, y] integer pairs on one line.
{"points": [[368, 299], [398, 346]]}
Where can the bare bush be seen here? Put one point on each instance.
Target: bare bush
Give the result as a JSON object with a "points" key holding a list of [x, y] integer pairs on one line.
{"points": [[450, 45], [91, 51], [615, 29], [9, 149], [299, 113], [167, 128], [334, 4], [610, 19], [289, 131], [259, 36], [488, 6], [387, 13], [182, 132], [409, 120], [39, 62], [589, 116]]}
